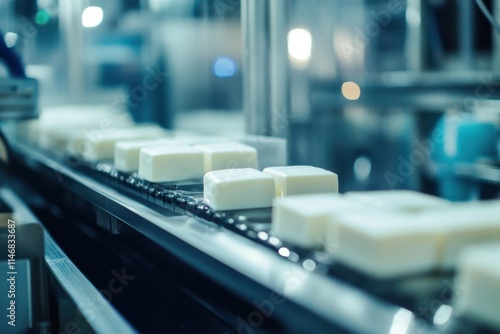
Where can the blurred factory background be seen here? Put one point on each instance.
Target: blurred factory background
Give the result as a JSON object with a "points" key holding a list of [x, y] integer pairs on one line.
{"points": [[388, 94]]}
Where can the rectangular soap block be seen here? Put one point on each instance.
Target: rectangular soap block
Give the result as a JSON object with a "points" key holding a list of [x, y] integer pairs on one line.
{"points": [[94, 145], [241, 188], [56, 139], [384, 244], [410, 242], [301, 220], [461, 225], [404, 200], [170, 163], [297, 180], [478, 284], [126, 158], [228, 155]]}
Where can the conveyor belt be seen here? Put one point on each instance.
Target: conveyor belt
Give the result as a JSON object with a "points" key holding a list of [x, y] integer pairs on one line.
{"points": [[218, 244]]}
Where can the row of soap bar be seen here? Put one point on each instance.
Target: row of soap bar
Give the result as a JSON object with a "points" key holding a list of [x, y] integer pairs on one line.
{"points": [[165, 157], [58, 125], [389, 234], [175, 162], [161, 156], [306, 220], [93, 134], [231, 180], [386, 233]]}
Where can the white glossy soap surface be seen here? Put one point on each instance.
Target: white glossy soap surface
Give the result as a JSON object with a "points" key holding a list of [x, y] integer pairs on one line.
{"points": [[296, 180], [170, 163], [241, 188]]}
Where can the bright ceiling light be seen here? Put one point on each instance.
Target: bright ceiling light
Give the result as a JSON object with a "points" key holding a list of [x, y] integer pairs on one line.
{"points": [[299, 45], [92, 16]]}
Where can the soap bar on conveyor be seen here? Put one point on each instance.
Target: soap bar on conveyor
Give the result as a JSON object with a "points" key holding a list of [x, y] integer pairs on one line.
{"points": [[170, 163], [126, 157], [297, 180], [241, 188], [228, 155]]}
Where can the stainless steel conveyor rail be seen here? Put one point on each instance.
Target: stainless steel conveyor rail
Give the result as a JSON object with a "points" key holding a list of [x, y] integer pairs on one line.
{"points": [[71, 280]]}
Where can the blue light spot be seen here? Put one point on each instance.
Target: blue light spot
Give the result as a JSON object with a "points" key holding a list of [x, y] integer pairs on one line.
{"points": [[224, 67]]}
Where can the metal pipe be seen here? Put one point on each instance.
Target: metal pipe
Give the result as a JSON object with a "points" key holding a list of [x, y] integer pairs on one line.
{"points": [[415, 52], [279, 76], [466, 31], [496, 38], [254, 17], [72, 33]]}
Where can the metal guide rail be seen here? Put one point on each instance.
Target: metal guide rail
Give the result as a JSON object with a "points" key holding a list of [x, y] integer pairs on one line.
{"points": [[242, 241], [39, 243]]}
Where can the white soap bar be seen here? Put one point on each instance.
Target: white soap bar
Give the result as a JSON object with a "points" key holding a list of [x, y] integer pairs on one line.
{"points": [[296, 180], [404, 200], [94, 145], [228, 155], [478, 284], [301, 220], [242, 188], [384, 244], [53, 130], [127, 152], [56, 139], [460, 225], [170, 163]]}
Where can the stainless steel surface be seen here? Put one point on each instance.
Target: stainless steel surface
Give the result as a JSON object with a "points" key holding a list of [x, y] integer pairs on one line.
{"points": [[72, 34], [254, 14], [338, 302], [415, 43], [75, 284], [495, 58], [467, 33], [279, 76], [96, 310], [29, 259]]}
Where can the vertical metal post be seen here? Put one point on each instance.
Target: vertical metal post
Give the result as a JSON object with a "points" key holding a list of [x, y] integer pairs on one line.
{"points": [[256, 96], [72, 33], [466, 31], [279, 77], [415, 52], [496, 38]]}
